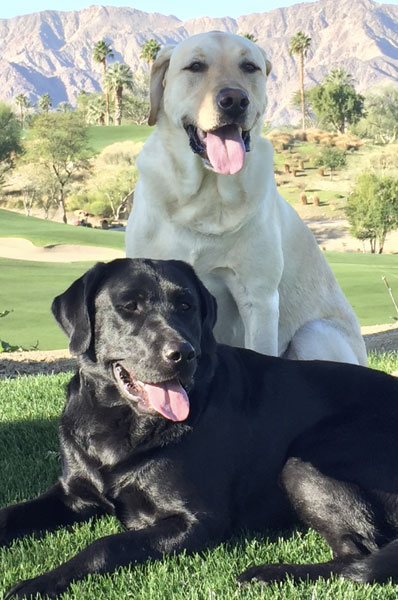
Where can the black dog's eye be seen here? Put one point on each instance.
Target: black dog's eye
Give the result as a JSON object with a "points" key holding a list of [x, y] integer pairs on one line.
{"points": [[249, 67], [196, 67], [184, 306], [130, 306]]}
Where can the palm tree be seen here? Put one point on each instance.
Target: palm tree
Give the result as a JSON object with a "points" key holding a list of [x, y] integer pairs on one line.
{"points": [[300, 44], [118, 78], [64, 107], [149, 51], [22, 101], [251, 37], [101, 52], [95, 112], [339, 76], [45, 103]]}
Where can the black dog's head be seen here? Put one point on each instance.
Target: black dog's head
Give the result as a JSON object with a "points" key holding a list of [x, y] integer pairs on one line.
{"points": [[148, 323]]}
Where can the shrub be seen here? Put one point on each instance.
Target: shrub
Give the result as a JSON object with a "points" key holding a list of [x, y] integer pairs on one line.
{"points": [[372, 209]]}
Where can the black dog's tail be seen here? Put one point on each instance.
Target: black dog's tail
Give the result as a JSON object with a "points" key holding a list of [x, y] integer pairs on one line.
{"points": [[376, 567]]}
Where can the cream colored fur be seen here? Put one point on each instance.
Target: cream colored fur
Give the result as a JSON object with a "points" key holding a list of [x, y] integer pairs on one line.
{"points": [[275, 291]]}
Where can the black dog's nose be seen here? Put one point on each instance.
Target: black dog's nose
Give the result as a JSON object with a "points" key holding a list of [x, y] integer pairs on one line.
{"points": [[232, 101], [179, 352]]}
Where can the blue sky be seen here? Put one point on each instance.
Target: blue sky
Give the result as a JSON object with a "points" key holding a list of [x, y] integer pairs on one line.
{"points": [[180, 8]]}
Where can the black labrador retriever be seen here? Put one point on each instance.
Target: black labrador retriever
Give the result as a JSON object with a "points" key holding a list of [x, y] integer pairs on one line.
{"points": [[188, 442]]}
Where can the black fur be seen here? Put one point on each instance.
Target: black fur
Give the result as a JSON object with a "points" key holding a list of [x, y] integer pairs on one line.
{"points": [[267, 441]]}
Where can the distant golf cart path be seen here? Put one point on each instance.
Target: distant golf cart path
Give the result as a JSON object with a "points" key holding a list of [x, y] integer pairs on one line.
{"points": [[22, 249]]}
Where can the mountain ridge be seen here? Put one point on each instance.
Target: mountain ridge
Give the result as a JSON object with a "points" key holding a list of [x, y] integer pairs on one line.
{"points": [[51, 51]]}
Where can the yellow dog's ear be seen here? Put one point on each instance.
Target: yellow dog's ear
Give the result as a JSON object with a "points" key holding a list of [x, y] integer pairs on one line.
{"points": [[158, 72], [268, 65]]}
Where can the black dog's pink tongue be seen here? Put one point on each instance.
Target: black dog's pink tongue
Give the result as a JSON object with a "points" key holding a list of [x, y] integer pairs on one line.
{"points": [[168, 399], [226, 149]]}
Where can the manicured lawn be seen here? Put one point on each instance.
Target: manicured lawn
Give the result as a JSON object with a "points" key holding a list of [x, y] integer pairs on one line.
{"points": [[29, 464], [47, 233], [28, 288], [360, 276], [99, 137]]}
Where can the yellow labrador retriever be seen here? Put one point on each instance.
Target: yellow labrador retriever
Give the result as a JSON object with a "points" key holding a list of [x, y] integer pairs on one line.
{"points": [[206, 194]]}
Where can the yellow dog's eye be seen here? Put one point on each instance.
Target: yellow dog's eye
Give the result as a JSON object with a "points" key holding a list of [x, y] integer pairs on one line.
{"points": [[249, 67], [196, 67]]}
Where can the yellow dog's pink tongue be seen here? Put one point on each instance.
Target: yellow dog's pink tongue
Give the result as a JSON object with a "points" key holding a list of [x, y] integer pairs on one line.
{"points": [[168, 399], [225, 149]]}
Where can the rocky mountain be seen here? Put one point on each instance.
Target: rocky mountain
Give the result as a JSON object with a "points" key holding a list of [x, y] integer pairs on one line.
{"points": [[51, 51]]}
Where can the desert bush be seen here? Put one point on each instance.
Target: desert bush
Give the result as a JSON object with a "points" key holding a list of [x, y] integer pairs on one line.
{"points": [[280, 140], [120, 153], [384, 162], [332, 159]]}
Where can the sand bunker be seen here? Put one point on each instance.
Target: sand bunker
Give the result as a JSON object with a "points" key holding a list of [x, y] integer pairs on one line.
{"points": [[21, 249]]}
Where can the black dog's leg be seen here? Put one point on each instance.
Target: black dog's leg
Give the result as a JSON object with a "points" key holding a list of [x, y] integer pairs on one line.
{"points": [[278, 572], [169, 535], [50, 510], [339, 511]]}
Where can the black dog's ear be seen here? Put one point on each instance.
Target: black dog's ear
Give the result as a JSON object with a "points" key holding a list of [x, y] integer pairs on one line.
{"points": [[72, 311]]}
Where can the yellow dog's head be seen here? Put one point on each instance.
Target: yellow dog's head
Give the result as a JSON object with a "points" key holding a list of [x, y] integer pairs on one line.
{"points": [[213, 86]]}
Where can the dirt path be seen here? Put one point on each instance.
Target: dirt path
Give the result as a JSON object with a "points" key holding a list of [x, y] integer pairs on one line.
{"points": [[22, 249], [333, 234]]}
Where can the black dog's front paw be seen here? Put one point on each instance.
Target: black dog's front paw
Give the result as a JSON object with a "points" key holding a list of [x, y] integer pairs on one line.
{"points": [[30, 588], [263, 574]]}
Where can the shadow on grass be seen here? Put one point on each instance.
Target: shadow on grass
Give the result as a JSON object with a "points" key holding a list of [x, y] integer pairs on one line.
{"points": [[29, 458], [31, 365]]}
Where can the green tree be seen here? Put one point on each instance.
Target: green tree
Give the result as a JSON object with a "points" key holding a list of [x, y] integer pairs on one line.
{"points": [[372, 209], [135, 109], [45, 103], [118, 78], [10, 139], [119, 189], [96, 110], [64, 107], [58, 141], [300, 44], [149, 51], [101, 52], [335, 102], [296, 103], [381, 120], [332, 159], [23, 104]]}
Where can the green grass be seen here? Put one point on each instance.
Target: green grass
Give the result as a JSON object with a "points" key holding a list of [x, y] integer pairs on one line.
{"points": [[42, 232], [29, 464], [100, 137], [28, 288], [360, 275]]}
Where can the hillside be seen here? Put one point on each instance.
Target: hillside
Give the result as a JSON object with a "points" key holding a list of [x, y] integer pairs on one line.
{"points": [[51, 51]]}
